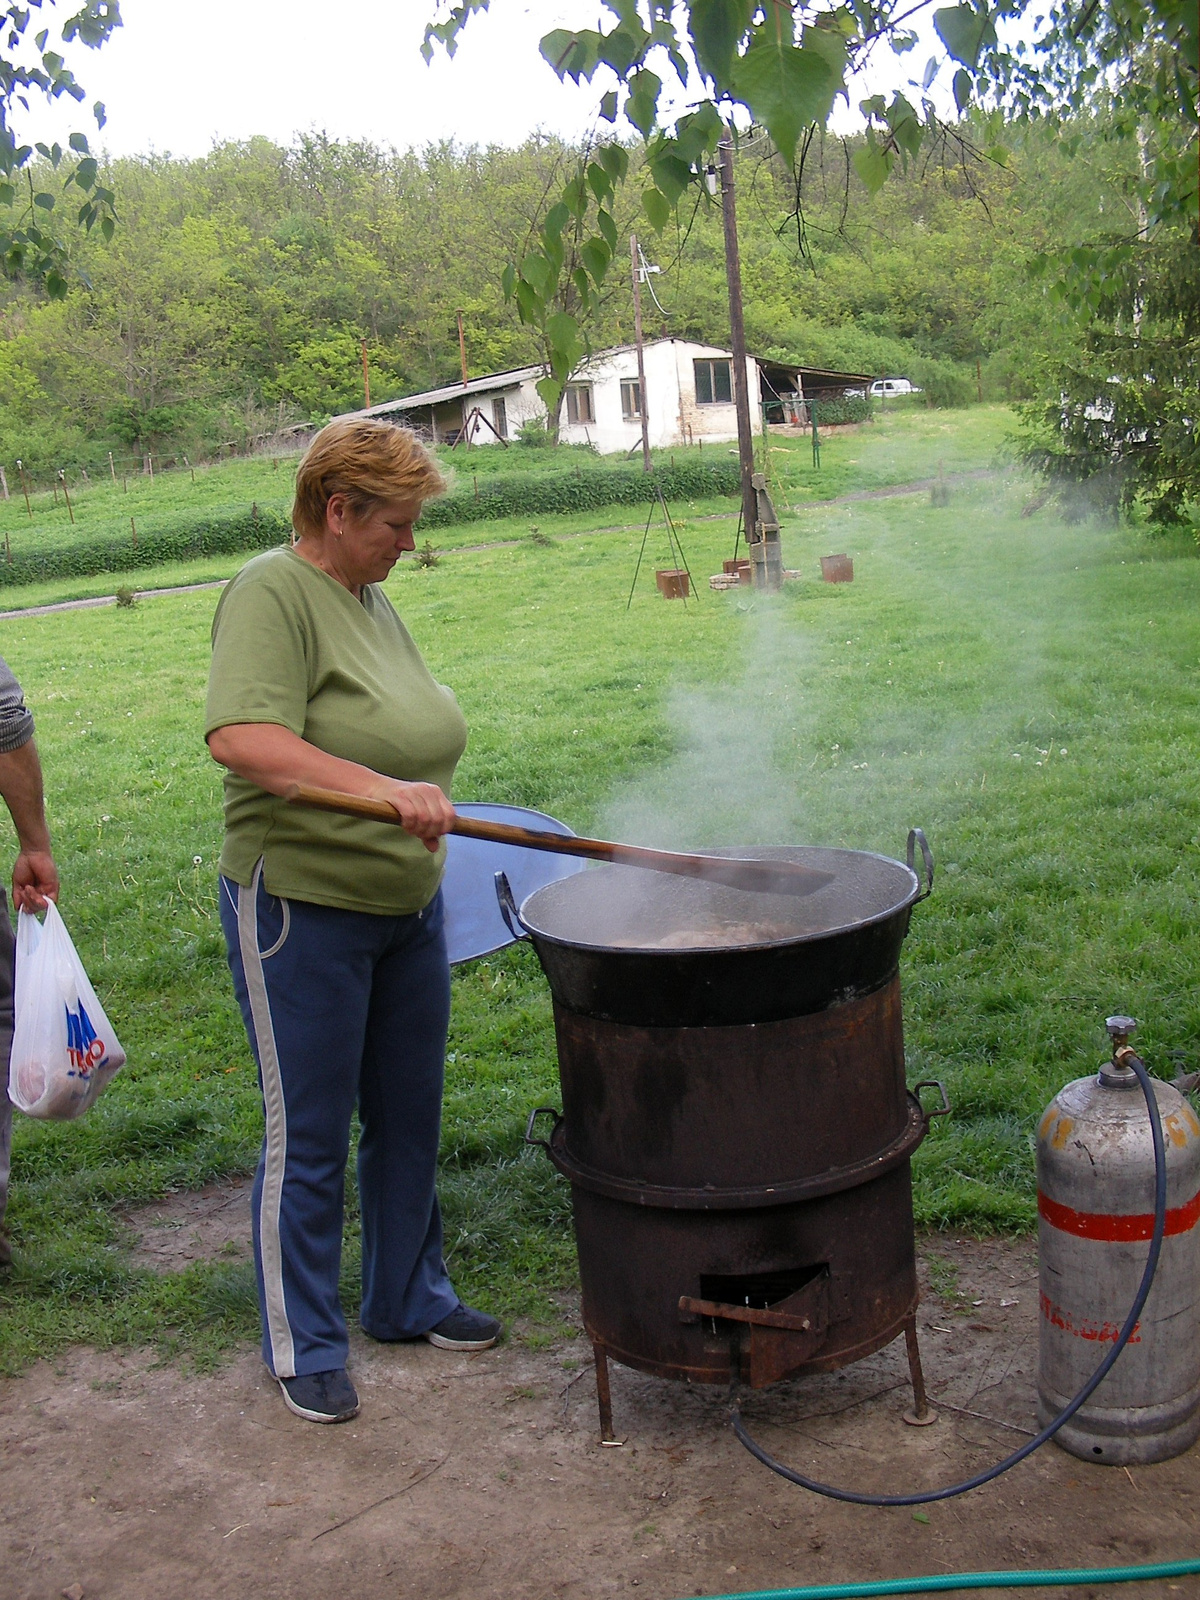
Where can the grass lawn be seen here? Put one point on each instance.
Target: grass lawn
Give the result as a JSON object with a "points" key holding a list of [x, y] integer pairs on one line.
{"points": [[1027, 692], [900, 446]]}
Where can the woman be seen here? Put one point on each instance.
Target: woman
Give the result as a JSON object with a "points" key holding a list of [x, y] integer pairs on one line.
{"points": [[334, 924]]}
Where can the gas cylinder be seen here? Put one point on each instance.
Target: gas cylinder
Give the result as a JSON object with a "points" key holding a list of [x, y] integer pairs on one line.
{"points": [[1095, 1178]]}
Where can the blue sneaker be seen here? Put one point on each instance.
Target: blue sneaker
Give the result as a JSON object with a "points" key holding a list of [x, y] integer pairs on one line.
{"points": [[465, 1329], [321, 1396]]}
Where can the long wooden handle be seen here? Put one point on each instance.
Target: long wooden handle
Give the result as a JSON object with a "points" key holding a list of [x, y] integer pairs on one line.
{"points": [[765, 877]]}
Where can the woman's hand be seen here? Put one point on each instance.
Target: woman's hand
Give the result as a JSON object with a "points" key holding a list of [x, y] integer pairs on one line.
{"points": [[422, 807]]}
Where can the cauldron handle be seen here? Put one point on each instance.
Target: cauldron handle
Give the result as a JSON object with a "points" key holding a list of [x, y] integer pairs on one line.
{"points": [[541, 1111], [926, 1083], [916, 836], [508, 907]]}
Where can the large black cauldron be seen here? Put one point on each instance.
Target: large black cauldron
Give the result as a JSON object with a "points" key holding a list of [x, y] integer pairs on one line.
{"points": [[735, 1126]]}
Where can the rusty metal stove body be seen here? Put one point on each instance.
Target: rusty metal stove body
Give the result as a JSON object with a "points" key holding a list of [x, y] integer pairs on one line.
{"points": [[735, 1124]]}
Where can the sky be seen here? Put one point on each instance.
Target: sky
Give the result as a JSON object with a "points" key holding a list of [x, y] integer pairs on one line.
{"points": [[178, 77]]}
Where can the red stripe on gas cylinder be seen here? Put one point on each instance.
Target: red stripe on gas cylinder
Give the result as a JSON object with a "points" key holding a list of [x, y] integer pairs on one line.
{"points": [[1115, 1229], [1099, 1332]]}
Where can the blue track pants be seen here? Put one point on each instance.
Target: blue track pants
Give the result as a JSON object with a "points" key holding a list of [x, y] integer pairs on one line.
{"points": [[342, 1007]]}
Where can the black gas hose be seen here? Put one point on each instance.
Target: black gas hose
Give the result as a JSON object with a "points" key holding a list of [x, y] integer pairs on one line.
{"points": [[1068, 1411]]}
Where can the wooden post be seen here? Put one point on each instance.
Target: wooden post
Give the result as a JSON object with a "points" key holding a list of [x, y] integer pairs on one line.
{"points": [[3, 483], [7, 548], [462, 349], [979, 379], [635, 256], [25, 488], [191, 468], [112, 467], [54, 489], [366, 377], [737, 336], [63, 478], [124, 484], [133, 529]]}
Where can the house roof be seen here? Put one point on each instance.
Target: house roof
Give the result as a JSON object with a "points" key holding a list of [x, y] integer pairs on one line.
{"points": [[453, 391], [818, 377], [494, 382]]}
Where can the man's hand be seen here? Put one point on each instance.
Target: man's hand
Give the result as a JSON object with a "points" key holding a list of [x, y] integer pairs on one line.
{"points": [[35, 877], [34, 880]]}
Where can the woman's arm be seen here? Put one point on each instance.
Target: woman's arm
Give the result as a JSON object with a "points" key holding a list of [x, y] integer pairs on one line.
{"points": [[274, 758]]}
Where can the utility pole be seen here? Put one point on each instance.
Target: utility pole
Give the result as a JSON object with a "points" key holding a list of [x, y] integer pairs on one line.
{"points": [[635, 255], [362, 343], [737, 343]]}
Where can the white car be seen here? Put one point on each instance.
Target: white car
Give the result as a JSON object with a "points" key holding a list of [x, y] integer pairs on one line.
{"points": [[884, 388]]}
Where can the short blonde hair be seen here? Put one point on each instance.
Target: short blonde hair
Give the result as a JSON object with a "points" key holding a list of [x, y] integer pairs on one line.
{"points": [[367, 460]]}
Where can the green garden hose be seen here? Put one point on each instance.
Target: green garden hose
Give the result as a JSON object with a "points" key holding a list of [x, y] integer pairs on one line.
{"points": [[1046, 1578]]}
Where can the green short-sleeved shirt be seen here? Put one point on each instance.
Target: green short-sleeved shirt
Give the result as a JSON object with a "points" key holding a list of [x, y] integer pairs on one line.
{"points": [[292, 646]]}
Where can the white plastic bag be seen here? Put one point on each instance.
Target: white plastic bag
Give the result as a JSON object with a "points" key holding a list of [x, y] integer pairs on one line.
{"points": [[64, 1050]]}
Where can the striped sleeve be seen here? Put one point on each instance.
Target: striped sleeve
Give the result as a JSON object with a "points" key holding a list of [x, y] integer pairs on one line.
{"points": [[16, 720]]}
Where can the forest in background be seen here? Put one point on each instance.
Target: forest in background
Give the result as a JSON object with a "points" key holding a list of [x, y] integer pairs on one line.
{"points": [[237, 287]]}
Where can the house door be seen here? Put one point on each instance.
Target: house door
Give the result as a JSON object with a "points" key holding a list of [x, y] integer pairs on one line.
{"points": [[500, 416]]}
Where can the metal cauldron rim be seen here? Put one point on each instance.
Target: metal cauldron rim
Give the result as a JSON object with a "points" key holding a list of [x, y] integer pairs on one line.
{"points": [[914, 894]]}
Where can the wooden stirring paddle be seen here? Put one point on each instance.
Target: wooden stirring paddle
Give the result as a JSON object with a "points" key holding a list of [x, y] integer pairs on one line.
{"points": [[760, 877]]}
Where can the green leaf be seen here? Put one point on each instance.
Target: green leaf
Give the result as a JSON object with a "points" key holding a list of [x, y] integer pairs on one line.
{"points": [[608, 227], [622, 47], [56, 284], [614, 158], [905, 125], [608, 106], [44, 201], [508, 280], [657, 208], [529, 306], [964, 87], [538, 274], [670, 174], [596, 256], [556, 219], [873, 165], [642, 106], [571, 54], [698, 133], [78, 142], [717, 28], [551, 392], [786, 88], [599, 181], [963, 31], [920, 1516], [565, 342], [86, 172]]}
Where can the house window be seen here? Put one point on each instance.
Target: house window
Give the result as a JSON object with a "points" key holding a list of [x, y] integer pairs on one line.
{"points": [[500, 416], [631, 399], [713, 385], [579, 403]]}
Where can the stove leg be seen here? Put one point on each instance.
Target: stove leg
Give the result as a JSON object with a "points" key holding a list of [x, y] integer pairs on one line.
{"points": [[922, 1414], [604, 1395]]}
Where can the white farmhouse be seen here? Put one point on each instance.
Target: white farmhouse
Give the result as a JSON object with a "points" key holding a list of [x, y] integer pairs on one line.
{"points": [[689, 397]]}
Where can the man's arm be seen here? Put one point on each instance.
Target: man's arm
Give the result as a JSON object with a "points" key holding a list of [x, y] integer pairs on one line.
{"points": [[35, 877]]}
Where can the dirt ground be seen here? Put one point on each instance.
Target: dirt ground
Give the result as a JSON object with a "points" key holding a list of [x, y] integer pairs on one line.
{"points": [[483, 1476]]}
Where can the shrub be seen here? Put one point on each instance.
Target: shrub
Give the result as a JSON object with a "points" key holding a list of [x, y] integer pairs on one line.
{"points": [[517, 494], [851, 409], [251, 530]]}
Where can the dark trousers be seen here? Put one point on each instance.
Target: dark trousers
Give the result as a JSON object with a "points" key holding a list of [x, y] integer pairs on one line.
{"points": [[342, 1007]]}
